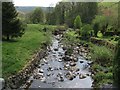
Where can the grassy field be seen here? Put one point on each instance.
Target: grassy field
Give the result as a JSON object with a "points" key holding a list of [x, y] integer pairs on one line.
{"points": [[16, 54]]}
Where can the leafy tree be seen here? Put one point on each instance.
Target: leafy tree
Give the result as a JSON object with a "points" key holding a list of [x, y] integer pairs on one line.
{"points": [[86, 31], [77, 22], [102, 22], [11, 25], [37, 16], [116, 71]]}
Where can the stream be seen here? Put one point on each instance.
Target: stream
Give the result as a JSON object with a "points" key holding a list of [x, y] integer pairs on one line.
{"points": [[54, 72]]}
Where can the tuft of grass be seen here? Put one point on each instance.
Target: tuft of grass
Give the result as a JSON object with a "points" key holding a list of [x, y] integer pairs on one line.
{"points": [[101, 54], [16, 54]]}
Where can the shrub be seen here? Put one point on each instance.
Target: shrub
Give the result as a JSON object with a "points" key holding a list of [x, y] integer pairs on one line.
{"points": [[99, 34], [77, 22], [86, 31], [101, 55], [116, 70], [96, 29]]}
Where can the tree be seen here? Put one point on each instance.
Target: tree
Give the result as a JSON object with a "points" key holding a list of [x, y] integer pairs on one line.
{"points": [[11, 25], [116, 71], [96, 29], [77, 22], [37, 16], [102, 22], [86, 31]]}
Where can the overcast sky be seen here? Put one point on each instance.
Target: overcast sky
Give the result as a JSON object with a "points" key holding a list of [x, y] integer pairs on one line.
{"points": [[44, 3]]}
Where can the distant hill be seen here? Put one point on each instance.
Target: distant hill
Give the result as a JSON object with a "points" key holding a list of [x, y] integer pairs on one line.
{"points": [[27, 9]]}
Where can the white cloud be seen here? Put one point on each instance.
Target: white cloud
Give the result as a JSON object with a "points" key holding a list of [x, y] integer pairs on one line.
{"points": [[44, 3]]}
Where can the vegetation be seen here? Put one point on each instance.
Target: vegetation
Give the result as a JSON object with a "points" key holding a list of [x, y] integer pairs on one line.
{"points": [[17, 54], [11, 25], [86, 31], [102, 67], [77, 22], [101, 55], [35, 17], [116, 70], [96, 19]]}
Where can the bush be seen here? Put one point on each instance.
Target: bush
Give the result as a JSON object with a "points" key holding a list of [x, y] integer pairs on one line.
{"points": [[77, 22], [102, 78], [99, 34], [116, 70], [70, 36], [101, 55], [86, 31]]}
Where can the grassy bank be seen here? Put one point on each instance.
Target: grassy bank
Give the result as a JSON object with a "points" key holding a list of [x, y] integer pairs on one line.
{"points": [[103, 65], [16, 54], [102, 57]]}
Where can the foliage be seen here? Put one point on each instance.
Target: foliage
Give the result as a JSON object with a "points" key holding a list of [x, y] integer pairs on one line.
{"points": [[77, 22], [70, 37], [116, 70], [35, 17], [66, 12], [86, 31], [102, 22], [96, 29], [102, 78], [101, 55], [16, 54], [99, 34], [11, 25]]}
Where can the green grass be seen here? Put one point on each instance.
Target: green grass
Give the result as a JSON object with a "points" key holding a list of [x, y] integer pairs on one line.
{"points": [[103, 61], [70, 37], [101, 54], [16, 54]]}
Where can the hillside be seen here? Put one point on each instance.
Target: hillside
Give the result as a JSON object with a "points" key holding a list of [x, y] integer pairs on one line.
{"points": [[28, 9]]}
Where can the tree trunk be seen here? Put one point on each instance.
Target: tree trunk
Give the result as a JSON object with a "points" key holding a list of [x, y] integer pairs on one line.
{"points": [[8, 38]]}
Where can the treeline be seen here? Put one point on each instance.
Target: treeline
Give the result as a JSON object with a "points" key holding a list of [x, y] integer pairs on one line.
{"points": [[101, 18], [64, 13]]}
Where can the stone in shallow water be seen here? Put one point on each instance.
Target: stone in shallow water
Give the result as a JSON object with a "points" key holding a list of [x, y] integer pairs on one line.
{"points": [[41, 71], [38, 76], [48, 74], [72, 64], [43, 79], [59, 60], [81, 76], [69, 75], [55, 49], [81, 61]]}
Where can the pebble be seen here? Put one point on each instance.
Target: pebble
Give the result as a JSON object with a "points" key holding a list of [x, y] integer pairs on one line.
{"points": [[81, 76], [81, 61], [41, 71]]}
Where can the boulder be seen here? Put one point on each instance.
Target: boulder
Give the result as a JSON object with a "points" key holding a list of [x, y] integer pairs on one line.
{"points": [[69, 75], [41, 71], [55, 49], [81, 76], [72, 64], [81, 61], [66, 58]]}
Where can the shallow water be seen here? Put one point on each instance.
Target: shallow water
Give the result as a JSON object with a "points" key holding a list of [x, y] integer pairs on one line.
{"points": [[52, 65]]}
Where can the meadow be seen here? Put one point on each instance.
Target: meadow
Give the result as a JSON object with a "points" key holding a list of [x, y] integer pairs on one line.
{"points": [[15, 54]]}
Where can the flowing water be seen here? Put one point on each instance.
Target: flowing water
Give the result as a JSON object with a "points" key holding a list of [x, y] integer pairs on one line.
{"points": [[51, 72]]}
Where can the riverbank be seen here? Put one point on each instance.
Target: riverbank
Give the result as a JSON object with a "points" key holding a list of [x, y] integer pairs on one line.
{"points": [[61, 68], [100, 56], [19, 54]]}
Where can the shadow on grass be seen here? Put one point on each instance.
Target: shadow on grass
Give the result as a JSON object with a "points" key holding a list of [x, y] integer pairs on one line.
{"points": [[11, 40]]}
